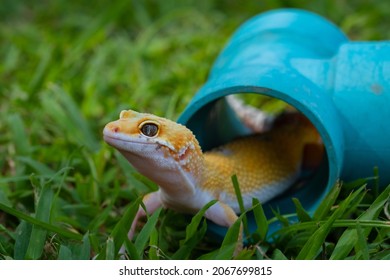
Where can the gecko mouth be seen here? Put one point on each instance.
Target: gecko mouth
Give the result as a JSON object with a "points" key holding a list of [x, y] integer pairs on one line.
{"points": [[115, 140], [129, 147], [113, 137], [132, 145]]}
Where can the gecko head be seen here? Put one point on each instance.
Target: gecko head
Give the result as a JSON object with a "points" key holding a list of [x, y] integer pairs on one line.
{"points": [[153, 144], [141, 129], [133, 130]]}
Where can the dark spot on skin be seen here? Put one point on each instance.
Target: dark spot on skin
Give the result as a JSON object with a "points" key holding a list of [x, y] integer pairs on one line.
{"points": [[376, 89]]}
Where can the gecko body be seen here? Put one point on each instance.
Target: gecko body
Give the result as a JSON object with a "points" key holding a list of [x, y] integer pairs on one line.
{"points": [[169, 154]]}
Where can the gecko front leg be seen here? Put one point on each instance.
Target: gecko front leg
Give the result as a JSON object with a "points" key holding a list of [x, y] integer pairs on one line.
{"points": [[151, 202], [220, 213], [223, 215]]}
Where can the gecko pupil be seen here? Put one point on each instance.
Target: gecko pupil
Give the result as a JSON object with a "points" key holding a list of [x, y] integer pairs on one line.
{"points": [[149, 129]]}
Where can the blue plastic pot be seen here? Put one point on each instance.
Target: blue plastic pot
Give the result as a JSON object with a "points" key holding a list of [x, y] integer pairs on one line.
{"points": [[343, 87]]}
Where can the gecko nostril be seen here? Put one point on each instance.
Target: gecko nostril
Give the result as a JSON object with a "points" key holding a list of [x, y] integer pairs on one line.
{"points": [[115, 129]]}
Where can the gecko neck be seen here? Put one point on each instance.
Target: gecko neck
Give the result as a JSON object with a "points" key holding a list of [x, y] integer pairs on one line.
{"points": [[179, 187], [177, 173]]}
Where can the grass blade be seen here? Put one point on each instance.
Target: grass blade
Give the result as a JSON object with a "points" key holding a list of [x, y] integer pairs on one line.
{"points": [[315, 242], [38, 234], [260, 218], [23, 233], [349, 238], [337, 224], [5, 230], [186, 247], [229, 243], [3, 196], [39, 73], [119, 233], [83, 251], [382, 255], [131, 250], [110, 249], [303, 216], [281, 218], [77, 250], [226, 252], [19, 136], [192, 228], [65, 253], [355, 204], [153, 245], [193, 233], [39, 167], [326, 204], [47, 226], [237, 191], [60, 106], [361, 244], [278, 255], [146, 231]]}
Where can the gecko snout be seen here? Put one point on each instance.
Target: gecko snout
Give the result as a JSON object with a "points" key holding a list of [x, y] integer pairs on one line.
{"points": [[112, 127], [121, 126]]}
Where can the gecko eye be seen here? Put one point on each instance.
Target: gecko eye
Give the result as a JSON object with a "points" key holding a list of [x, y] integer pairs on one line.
{"points": [[149, 129]]}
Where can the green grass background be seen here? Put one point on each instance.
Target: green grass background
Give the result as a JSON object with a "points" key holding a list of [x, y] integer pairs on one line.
{"points": [[69, 67]]}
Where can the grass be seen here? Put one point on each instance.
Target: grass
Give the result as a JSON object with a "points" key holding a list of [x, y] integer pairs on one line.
{"points": [[68, 67]]}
